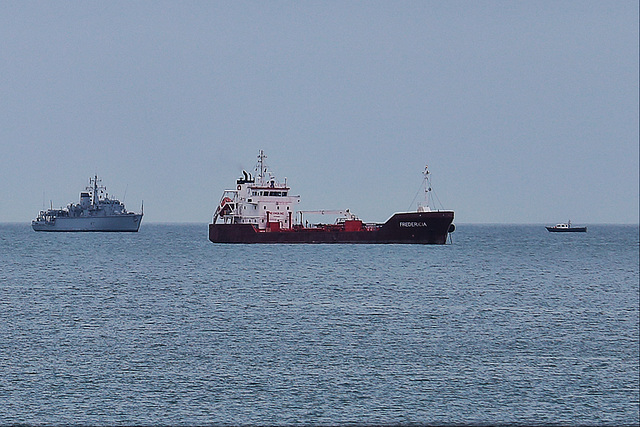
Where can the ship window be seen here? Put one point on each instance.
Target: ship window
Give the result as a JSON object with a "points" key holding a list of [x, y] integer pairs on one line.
{"points": [[284, 193]]}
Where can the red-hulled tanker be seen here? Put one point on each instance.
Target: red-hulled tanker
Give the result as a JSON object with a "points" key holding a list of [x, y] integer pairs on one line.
{"points": [[261, 210]]}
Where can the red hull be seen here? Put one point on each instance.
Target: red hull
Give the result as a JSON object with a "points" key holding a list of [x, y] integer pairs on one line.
{"points": [[411, 227]]}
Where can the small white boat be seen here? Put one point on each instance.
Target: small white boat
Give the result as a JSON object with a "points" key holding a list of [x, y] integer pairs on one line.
{"points": [[566, 228]]}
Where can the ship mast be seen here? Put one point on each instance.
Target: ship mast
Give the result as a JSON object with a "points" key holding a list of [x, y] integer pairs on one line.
{"points": [[426, 182], [95, 190], [260, 165]]}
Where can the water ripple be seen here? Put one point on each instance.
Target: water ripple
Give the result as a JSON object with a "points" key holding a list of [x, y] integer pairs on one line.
{"points": [[507, 325]]}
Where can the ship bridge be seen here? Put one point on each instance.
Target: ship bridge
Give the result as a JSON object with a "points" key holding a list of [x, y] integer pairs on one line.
{"points": [[263, 201]]}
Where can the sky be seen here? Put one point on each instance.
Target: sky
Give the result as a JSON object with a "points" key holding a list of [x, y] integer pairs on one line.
{"points": [[524, 111]]}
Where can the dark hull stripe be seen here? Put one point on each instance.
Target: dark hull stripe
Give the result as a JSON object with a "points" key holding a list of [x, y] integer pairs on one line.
{"points": [[411, 227]]}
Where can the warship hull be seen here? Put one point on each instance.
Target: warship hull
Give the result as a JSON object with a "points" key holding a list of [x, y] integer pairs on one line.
{"points": [[115, 223], [409, 227]]}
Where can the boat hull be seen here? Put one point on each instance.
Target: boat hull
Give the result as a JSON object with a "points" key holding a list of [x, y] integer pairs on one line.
{"points": [[567, 230], [115, 223], [409, 227]]}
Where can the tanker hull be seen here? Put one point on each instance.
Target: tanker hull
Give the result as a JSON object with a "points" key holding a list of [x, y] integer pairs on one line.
{"points": [[410, 227]]}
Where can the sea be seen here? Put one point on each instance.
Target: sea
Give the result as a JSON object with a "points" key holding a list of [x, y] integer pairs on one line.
{"points": [[505, 325]]}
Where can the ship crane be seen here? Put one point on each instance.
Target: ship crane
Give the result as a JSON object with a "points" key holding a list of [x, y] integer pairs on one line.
{"points": [[345, 212]]}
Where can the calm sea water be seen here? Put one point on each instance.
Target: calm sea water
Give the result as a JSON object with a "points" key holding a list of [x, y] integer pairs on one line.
{"points": [[509, 324]]}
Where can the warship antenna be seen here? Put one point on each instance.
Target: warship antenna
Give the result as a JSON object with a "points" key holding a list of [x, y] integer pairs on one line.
{"points": [[95, 189]]}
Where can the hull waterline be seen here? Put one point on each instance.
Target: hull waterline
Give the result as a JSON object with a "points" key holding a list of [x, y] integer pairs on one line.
{"points": [[119, 223]]}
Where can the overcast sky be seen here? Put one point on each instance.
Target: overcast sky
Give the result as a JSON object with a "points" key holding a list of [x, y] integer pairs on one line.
{"points": [[525, 111]]}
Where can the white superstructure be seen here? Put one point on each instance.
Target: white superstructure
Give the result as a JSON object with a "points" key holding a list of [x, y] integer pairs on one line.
{"points": [[95, 212], [261, 201]]}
